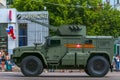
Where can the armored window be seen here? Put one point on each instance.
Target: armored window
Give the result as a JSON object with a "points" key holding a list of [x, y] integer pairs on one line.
{"points": [[104, 44], [54, 42], [88, 42]]}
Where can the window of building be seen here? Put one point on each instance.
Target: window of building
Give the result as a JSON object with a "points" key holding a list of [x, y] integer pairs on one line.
{"points": [[3, 37], [22, 34], [3, 32]]}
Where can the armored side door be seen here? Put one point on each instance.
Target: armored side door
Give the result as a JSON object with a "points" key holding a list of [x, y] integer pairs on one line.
{"points": [[55, 51], [74, 49], [89, 44]]}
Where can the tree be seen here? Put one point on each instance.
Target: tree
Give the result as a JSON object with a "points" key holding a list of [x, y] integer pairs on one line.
{"points": [[102, 19], [9, 2], [28, 5], [99, 18]]}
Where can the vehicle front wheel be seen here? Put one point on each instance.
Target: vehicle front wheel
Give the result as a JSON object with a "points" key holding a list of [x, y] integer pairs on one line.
{"points": [[98, 66], [31, 66]]}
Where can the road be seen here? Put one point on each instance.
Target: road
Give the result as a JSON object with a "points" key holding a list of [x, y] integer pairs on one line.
{"points": [[58, 76]]}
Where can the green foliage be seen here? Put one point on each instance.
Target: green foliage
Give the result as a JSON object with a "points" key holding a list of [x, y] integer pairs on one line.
{"points": [[99, 18], [28, 5], [9, 2]]}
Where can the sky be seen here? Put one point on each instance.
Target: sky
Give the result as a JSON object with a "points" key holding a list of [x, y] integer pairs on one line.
{"points": [[111, 2]]}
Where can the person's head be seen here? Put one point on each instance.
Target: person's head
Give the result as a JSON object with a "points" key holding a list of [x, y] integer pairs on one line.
{"points": [[6, 53], [2, 50]]}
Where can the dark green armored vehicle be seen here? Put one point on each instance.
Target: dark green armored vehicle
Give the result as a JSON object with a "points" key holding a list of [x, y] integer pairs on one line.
{"points": [[71, 49]]}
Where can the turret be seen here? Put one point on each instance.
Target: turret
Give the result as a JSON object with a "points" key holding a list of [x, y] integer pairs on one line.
{"points": [[72, 30], [65, 30]]}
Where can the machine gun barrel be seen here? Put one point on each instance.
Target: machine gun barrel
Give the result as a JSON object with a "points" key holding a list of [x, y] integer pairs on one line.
{"points": [[43, 24]]}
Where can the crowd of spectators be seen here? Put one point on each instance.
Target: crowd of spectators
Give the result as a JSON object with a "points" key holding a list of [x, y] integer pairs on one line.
{"points": [[5, 61], [116, 62]]}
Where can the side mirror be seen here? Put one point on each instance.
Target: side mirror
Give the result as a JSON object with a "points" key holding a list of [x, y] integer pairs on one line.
{"points": [[36, 44]]}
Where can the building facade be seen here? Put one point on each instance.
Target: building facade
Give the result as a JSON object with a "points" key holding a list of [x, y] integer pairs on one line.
{"points": [[117, 4], [18, 30]]}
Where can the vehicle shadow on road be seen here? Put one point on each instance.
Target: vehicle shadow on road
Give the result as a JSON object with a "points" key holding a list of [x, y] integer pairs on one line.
{"points": [[64, 76], [57, 75]]}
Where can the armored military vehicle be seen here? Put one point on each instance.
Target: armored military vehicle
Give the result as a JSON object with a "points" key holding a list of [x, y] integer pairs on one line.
{"points": [[70, 49]]}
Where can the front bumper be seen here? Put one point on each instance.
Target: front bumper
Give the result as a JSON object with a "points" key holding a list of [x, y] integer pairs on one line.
{"points": [[16, 60]]}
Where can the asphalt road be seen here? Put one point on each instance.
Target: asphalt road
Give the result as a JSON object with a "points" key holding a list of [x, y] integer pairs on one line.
{"points": [[58, 76]]}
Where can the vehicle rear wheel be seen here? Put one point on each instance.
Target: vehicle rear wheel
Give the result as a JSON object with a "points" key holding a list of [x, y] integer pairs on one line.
{"points": [[31, 66], [98, 66]]}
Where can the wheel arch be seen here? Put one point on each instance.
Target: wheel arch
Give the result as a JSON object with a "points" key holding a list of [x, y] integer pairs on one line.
{"points": [[37, 54], [105, 55]]}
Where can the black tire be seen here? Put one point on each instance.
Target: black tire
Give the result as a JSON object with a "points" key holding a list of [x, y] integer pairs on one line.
{"points": [[98, 66], [31, 66]]}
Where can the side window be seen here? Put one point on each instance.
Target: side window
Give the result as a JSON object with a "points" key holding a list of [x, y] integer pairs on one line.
{"points": [[104, 44], [55, 42], [88, 42]]}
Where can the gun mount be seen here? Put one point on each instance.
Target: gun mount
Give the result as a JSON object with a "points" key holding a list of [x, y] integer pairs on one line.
{"points": [[64, 30]]}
